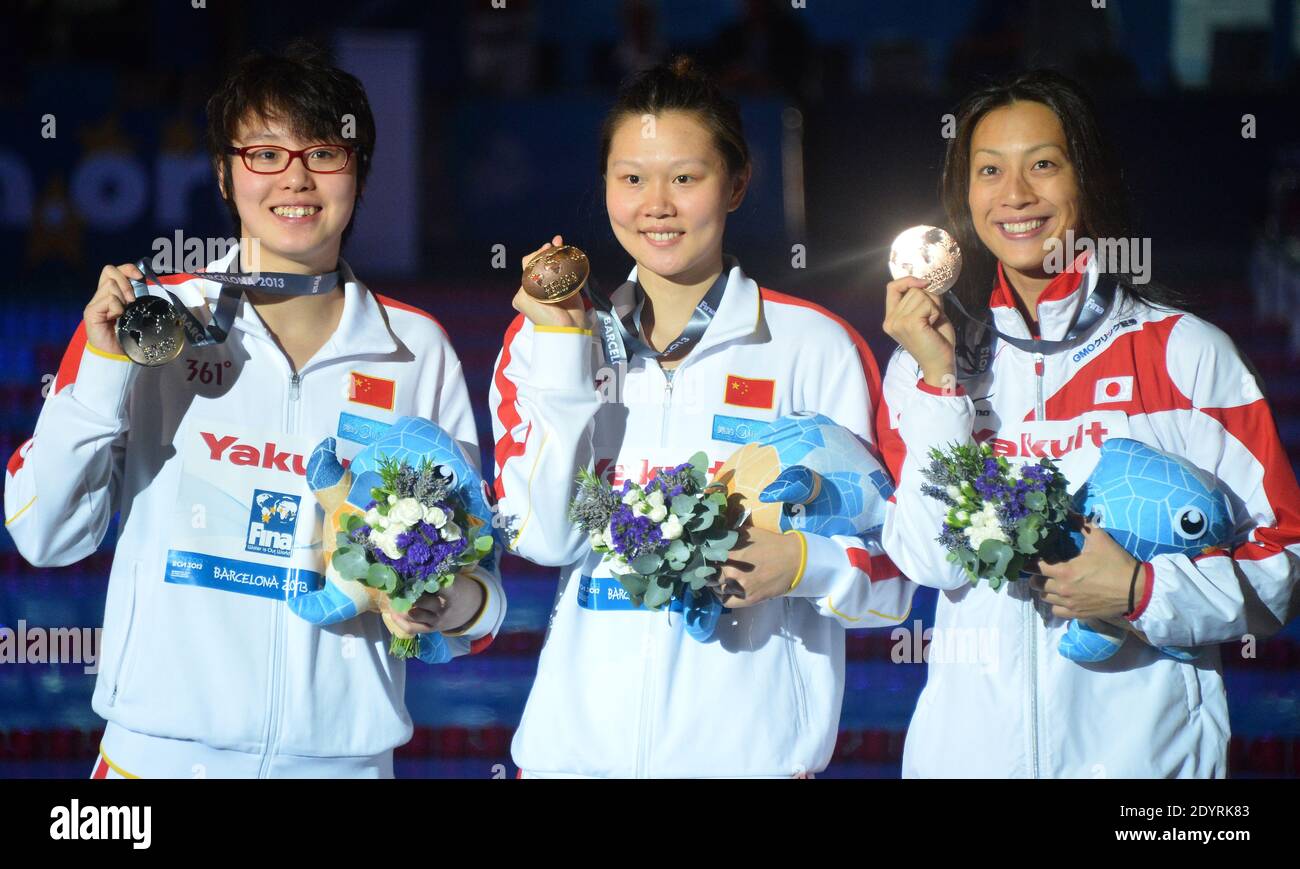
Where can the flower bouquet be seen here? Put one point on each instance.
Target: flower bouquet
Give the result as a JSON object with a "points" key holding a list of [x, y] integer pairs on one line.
{"points": [[1148, 501], [413, 539], [662, 539], [999, 517]]}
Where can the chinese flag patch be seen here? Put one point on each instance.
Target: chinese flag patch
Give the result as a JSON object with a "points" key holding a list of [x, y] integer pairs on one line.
{"points": [[374, 391], [747, 392]]}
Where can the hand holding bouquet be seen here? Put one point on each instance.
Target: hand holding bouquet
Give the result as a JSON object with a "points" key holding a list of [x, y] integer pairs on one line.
{"points": [[658, 540], [413, 539], [999, 517]]}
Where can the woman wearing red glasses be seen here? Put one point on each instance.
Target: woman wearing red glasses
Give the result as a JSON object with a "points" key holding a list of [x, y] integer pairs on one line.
{"points": [[205, 670]]}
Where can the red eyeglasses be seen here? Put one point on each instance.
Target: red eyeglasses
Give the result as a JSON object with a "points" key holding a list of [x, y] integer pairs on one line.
{"points": [[272, 159]]}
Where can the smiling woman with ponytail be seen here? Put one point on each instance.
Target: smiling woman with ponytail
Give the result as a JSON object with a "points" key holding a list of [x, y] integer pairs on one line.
{"points": [[625, 691]]}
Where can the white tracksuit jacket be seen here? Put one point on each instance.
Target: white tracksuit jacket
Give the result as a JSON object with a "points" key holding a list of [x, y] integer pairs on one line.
{"points": [[622, 692], [226, 666], [1000, 700]]}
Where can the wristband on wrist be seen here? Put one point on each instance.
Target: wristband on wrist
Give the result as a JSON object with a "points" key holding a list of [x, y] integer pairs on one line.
{"points": [[1132, 590]]}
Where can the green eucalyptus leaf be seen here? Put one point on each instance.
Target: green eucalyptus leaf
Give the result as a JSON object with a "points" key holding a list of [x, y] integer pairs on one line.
{"points": [[656, 595], [703, 573], [647, 563], [350, 562], [683, 505], [726, 540], [382, 576], [997, 554], [402, 604]]}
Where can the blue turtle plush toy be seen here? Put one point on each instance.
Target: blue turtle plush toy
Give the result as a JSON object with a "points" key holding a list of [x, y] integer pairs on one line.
{"points": [[1152, 503], [802, 472], [343, 490]]}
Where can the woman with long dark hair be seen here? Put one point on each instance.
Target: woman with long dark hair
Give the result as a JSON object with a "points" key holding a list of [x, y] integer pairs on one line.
{"points": [[1066, 352]]}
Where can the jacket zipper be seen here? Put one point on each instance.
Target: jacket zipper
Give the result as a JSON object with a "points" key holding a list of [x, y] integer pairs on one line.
{"points": [[648, 642], [668, 397], [1040, 410], [291, 410], [1031, 637], [1031, 641]]}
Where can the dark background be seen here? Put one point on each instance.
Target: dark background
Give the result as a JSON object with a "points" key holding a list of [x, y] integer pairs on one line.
{"points": [[487, 144]]}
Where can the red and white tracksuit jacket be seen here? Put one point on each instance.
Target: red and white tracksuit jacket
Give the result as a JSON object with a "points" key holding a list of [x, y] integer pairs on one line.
{"points": [[220, 679], [1000, 701], [626, 692]]}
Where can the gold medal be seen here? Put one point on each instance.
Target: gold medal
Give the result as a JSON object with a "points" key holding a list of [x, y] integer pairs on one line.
{"points": [[557, 274]]}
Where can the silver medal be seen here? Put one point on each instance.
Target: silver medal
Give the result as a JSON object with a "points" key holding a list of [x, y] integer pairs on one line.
{"points": [[150, 331]]}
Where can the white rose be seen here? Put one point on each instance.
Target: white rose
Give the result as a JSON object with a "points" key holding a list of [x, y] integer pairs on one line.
{"points": [[655, 499], [672, 529], [608, 538], [435, 516], [375, 519], [450, 531], [596, 539], [658, 514], [988, 516], [978, 534], [392, 499], [386, 541], [632, 497], [407, 512], [954, 493]]}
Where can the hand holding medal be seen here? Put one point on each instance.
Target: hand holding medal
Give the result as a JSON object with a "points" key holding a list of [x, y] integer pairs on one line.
{"points": [[550, 291], [925, 262], [112, 297]]}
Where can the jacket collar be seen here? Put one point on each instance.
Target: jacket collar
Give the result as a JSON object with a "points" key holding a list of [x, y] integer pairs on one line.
{"points": [[1062, 297], [363, 329], [739, 315]]}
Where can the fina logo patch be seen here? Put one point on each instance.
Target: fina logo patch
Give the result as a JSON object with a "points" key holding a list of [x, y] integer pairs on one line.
{"points": [[271, 523], [1111, 389]]}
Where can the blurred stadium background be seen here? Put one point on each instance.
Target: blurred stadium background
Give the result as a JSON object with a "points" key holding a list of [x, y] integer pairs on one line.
{"points": [[487, 136]]}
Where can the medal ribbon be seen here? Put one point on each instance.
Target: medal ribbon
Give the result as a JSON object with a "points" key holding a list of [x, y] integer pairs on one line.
{"points": [[1084, 322], [233, 287], [622, 334]]}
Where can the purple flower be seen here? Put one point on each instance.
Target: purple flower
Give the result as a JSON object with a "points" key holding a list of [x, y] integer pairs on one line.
{"points": [[633, 535], [424, 553], [1037, 476]]}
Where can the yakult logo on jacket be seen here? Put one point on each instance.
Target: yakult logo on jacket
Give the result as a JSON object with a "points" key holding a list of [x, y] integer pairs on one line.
{"points": [[1030, 447], [639, 473], [229, 449]]}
